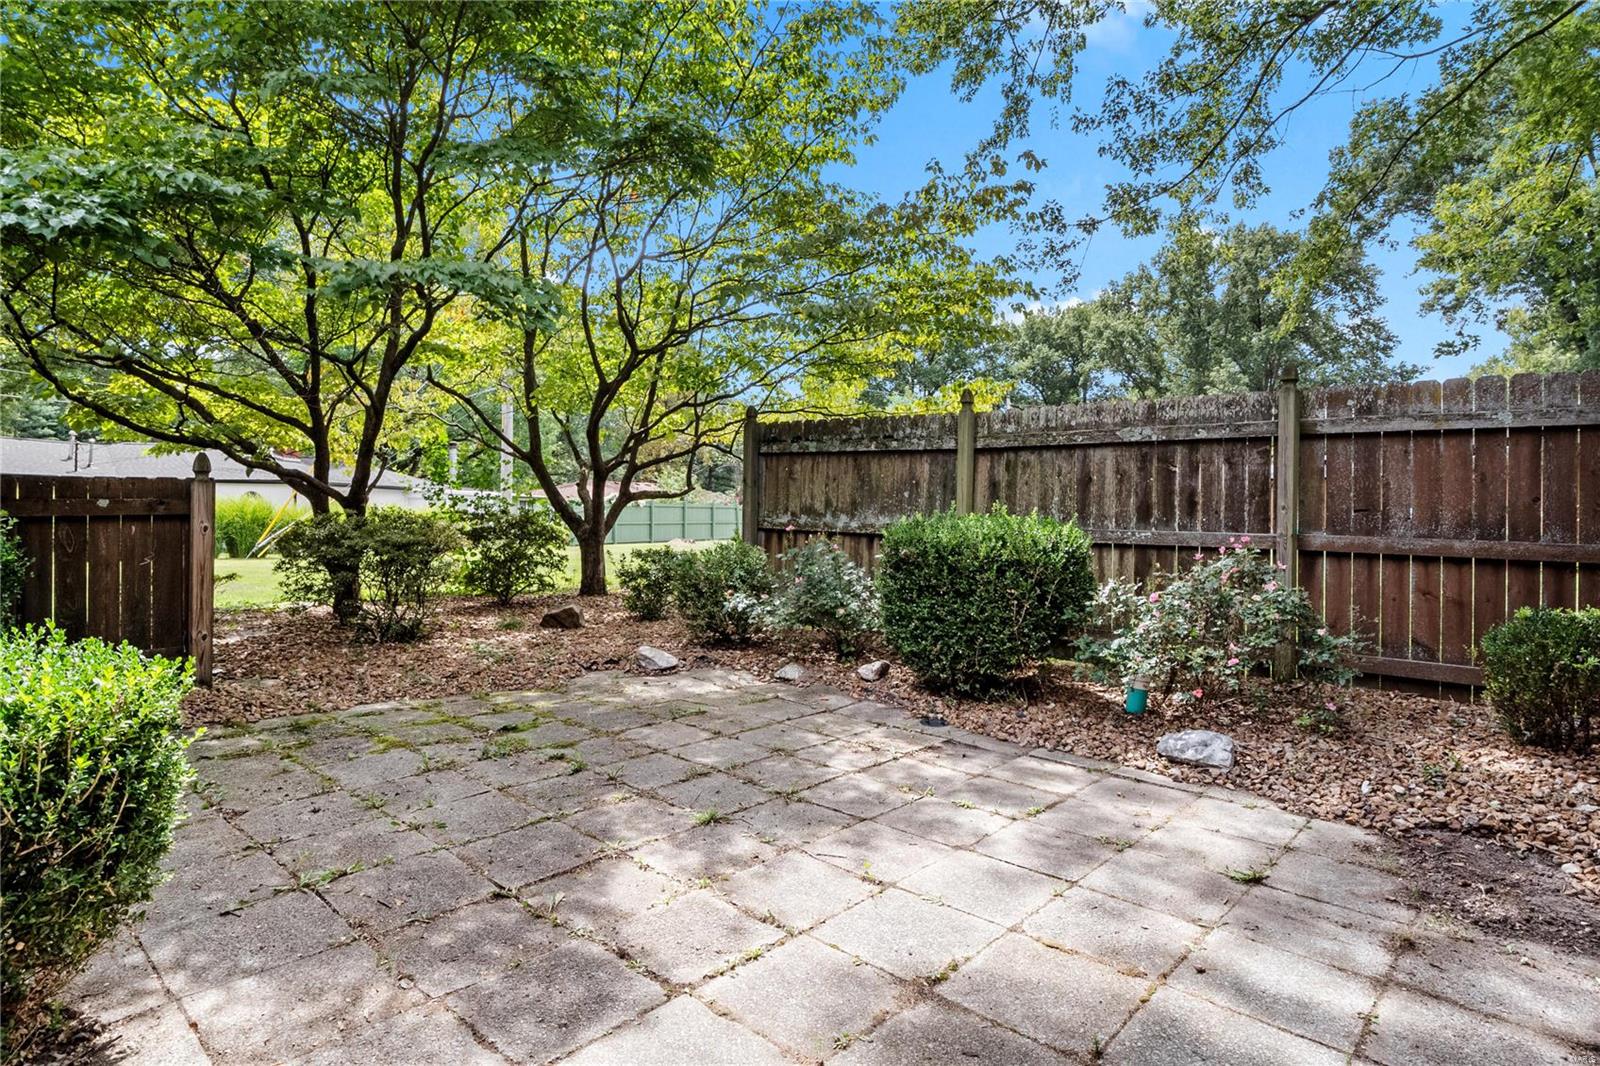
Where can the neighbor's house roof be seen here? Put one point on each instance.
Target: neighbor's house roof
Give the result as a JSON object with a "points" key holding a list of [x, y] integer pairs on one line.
{"points": [[21, 455]]}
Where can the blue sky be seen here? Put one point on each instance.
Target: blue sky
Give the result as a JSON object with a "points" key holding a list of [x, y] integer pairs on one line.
{"points": [[930, 122]]}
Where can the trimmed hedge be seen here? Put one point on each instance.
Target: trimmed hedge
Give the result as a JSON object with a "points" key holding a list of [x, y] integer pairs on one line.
{"points": [[649, 579], [972, 602], [92, 778], [722, 592], [1541, 672]]}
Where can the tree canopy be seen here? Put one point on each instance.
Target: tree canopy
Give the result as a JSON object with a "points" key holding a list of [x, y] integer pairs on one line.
{"points": [[1494, 160]]}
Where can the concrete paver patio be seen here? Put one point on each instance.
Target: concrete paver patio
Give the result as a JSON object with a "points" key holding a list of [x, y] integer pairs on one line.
{"points": [[707, 868]]}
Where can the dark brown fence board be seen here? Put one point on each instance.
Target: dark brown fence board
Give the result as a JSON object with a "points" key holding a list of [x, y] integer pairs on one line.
{"points": [[109, 558], [1425, 511]]}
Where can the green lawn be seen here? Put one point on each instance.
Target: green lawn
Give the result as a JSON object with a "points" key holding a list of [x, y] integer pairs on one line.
{"points": [[257, 585]]}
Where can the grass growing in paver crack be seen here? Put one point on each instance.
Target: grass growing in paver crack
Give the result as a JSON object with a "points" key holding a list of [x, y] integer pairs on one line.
{"points": [[1120, 843], [503, 747], [708, 817], [1246, 877]]}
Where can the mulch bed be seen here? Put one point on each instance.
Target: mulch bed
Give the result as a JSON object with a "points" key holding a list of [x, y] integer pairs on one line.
{"points": [[1418, 768]]}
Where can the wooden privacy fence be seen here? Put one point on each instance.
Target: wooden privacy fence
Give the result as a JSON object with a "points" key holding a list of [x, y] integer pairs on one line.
{"points": [[120, 558], [1416, 515]]}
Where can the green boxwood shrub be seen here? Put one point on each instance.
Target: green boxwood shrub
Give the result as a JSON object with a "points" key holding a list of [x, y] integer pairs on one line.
{"points": [[1541, 672], [398, 559], [92, 778], [511, 548], [649, 579], [971, 602], [13, 571], [722, 592], [822, 588]]}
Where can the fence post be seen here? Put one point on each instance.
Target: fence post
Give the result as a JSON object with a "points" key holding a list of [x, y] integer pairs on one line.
{"points": [[966, 455], [202, 565], [752, 478], [1286, 487]]}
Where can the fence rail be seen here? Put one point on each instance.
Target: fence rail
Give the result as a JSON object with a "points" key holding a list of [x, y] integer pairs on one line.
{"points": [[1415, 515], [123, 559]]}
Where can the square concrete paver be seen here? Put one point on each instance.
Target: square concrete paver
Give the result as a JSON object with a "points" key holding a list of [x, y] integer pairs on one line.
{"points": [[939, 819], [599, 897], [692, 936], [1069, 1002], [469, 945], [682, 1031], [558, 898], [988, 888], [410, 889], [1132, 939], [298, 1007], [1175, 1029], [907, 935], [935, 1032], [805, 996], [530, 854], [217, 948], [796, 889], [556, 1002], [1414, 1030], [1289, 991]]}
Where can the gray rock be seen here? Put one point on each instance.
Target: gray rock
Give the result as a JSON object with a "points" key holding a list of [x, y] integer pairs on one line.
{"points": [[655, 660], [876, 670], [793, 673], [568, 617], [1198, 747]]}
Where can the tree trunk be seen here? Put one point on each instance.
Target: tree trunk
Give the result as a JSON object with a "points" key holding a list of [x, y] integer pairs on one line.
{"points": [[592, 561], [344, 572]]}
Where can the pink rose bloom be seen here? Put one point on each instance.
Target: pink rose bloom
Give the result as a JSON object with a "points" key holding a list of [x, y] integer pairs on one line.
{"points": [[1331, 705], [1322, 632], [1155, 597], [1244, 540], [1272, 586], [1199, 693], [1234, 661], [789, 528]]}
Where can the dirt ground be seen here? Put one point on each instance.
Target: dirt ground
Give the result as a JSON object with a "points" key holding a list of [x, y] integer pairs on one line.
{"points": [[1502, 836]]}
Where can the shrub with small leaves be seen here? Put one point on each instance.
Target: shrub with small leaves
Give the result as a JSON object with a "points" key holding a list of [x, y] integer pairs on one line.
{"points": [[972, 602], [400, 559], [821, 588], [1541, 672], [14, 566], [1212, 630], [722, 593], [512, 547], [92, 777], [648, 578]]}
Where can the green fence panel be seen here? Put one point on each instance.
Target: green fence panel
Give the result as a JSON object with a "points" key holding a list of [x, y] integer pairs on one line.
{"points": [[658, 521]]}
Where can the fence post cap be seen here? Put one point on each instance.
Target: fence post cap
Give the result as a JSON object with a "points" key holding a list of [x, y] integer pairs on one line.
{"points": [[202, 465], [966, 397], [1290, 375]]}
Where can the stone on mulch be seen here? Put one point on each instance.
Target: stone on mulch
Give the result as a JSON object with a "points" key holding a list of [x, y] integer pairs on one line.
{"points": [[654, 660], [568, 617], [876, 670], [1198, 747], [792, 673]]}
